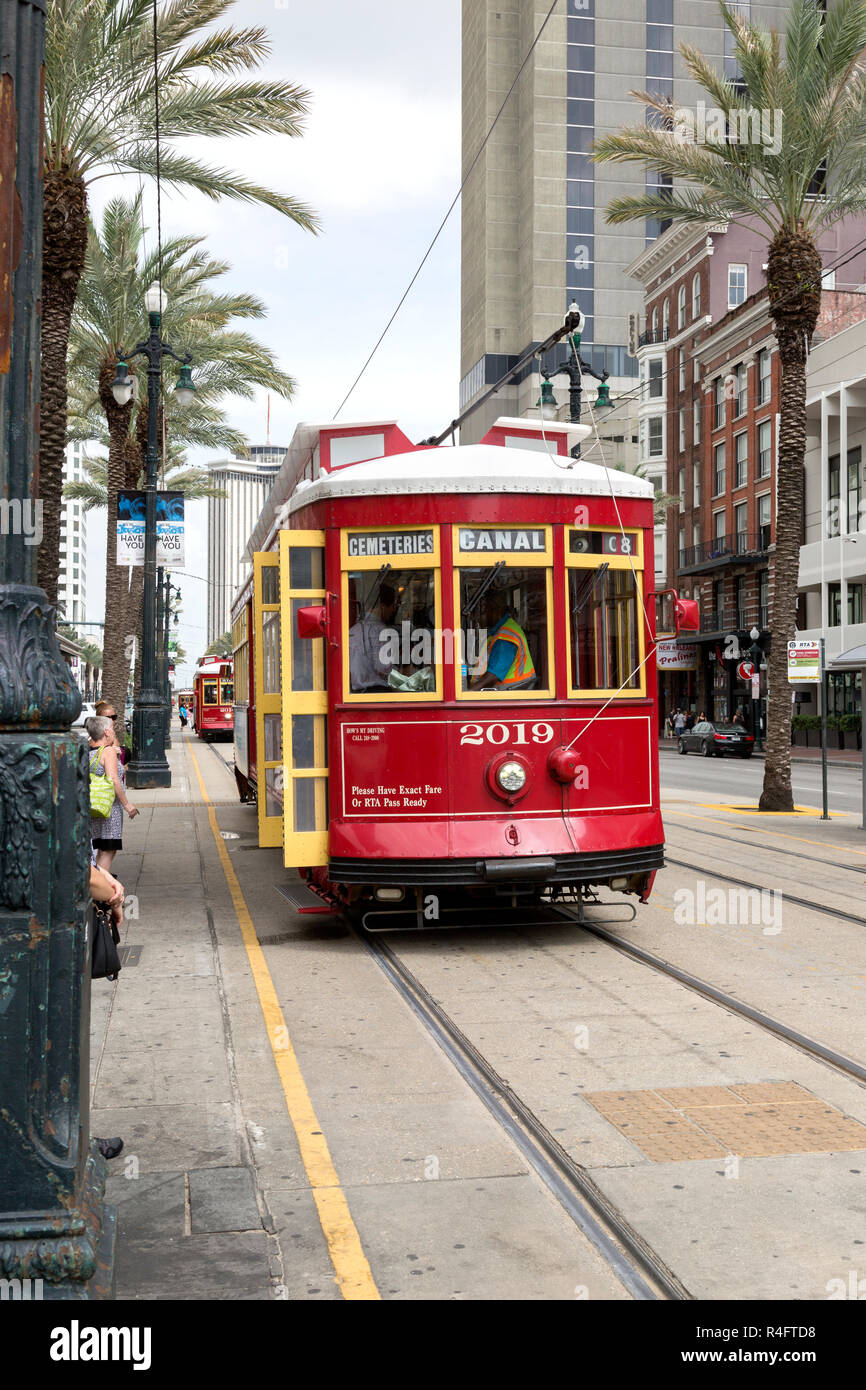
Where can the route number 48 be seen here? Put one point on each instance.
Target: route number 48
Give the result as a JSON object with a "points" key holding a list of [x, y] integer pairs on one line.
{"points": [[506, 733]]}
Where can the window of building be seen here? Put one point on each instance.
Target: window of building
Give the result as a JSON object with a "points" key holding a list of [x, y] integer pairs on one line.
{"points": [[741, 450], [737, 279], [741, 526], [763, 598], [719, 523], [740, 599], [742, 387], [656, 436], [681, 307], [828, 279], [696, 483], [764, 520], [696, 297], [855, 604], [765, 368], [681, 477], [853, 494], [655, 324], [719, 470], [718, 403], [655, 377], [682, 545], [666, 317], [682, 422], [764, 449], [696, 421], [682, 369]]}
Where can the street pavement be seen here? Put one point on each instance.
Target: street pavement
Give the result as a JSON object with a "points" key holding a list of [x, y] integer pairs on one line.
{"points": [[292, 1131]]}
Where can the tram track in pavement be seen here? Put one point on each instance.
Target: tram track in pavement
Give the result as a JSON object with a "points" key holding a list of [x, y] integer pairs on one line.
{"points": [[858, 919], [770, 849], [640, 1270]]}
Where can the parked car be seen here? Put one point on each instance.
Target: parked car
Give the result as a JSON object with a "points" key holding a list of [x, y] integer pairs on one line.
{"points": [[87, 712], [714, 740]]}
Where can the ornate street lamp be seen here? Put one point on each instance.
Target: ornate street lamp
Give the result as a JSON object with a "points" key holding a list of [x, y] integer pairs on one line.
{"points": [[756, 656], [575, 368], [148, 766], [53, 1225]]}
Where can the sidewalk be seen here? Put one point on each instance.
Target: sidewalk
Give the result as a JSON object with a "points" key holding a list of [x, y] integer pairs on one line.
{"points": [[191, 1223], [837, 757]]}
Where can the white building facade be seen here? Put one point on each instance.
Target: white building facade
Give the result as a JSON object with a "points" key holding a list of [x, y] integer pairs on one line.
{"points": [[72, 577], [246, 483]]}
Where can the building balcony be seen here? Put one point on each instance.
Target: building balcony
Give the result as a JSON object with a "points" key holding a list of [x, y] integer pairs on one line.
{"points": [[648, 337], [742, 547], [720, 622]]}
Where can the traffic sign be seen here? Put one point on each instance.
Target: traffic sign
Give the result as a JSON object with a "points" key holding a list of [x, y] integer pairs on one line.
{"points": [[745, 670], [804, 662]]}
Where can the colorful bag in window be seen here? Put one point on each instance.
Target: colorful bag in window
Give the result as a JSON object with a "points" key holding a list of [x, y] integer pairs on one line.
{"points": [[101, 790]]}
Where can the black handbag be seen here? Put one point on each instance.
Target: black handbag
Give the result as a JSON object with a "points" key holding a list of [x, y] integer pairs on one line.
{"points": [[106, 936]]}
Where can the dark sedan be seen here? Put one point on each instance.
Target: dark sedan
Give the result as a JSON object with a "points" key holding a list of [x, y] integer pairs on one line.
{"points": [[714, 740]]}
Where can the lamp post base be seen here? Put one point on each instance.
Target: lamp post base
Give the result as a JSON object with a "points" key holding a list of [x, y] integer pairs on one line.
{"points": [[148, 767]]}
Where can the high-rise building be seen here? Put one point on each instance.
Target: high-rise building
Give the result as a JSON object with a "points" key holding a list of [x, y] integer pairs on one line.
{"points": [[72, 576], [534, 235], [246, 483]]}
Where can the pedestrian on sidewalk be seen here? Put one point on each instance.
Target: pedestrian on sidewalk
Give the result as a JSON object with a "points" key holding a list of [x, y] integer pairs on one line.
{"points": [[182, 711], [106, 831], [679, 722], [106, 709]]}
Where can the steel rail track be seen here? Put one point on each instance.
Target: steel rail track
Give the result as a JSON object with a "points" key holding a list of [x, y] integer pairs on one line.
{"points": [[772, 849], [728, 1001], [636, 1265], [761, 888]]}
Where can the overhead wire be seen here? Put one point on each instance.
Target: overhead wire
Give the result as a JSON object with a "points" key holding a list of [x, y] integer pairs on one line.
{"points": [[451, 208]]}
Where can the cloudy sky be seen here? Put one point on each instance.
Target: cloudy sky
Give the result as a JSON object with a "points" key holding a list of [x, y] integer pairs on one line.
{"points": [[380, 163]]}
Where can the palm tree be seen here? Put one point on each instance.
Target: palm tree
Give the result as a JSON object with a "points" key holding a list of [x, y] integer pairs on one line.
{"points": [[109, 317], [100, 109], [818, 93]]}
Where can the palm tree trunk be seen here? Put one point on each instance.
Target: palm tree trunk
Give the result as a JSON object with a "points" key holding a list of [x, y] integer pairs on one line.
{"points": [[794, 285], [64, 250]]}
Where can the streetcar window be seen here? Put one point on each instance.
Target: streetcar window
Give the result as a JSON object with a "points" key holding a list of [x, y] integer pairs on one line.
{"points": [[504, 620], [227, 693], [270, 584], [270, 651], [392, 622], [209, 692], [604, 632]]}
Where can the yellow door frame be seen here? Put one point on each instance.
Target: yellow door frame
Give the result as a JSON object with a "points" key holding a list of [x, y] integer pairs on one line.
{"points": [[303, 848], [270, 826]]}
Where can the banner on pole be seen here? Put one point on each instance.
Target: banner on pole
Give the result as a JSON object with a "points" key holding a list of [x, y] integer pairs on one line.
{"points": [[169, 528]]}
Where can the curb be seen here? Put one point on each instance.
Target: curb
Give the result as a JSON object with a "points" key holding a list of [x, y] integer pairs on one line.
{"points": [[804, 762]]}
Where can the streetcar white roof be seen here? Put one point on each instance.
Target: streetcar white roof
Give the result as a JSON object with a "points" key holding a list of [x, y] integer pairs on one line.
{"points": [[471, 468]]}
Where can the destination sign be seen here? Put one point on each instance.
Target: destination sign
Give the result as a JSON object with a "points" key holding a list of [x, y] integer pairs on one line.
{"points": [[602, 543], [391, 543], [502, 541]]}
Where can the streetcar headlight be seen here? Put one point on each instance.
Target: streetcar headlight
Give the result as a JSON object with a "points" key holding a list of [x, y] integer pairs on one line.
{"points": [[511, 776]]}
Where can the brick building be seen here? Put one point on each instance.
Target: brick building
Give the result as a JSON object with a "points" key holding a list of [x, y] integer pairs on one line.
{"points": [[708, 428]]}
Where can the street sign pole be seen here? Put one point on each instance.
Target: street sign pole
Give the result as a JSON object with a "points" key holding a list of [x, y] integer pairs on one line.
{"points": [[823, 674]]}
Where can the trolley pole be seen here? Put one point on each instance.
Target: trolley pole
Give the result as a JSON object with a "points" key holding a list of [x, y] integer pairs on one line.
{"points": [[53, 1225]]}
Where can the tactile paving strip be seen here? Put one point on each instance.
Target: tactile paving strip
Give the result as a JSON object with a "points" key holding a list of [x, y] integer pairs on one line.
{"points": [[753, 1120]]}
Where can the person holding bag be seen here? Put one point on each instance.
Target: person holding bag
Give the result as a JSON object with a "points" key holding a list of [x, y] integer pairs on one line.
{"points": [[106, 825]]}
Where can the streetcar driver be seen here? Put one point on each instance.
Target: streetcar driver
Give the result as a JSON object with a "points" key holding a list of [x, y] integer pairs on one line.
{"points": [[504, 661], [369, 668]]}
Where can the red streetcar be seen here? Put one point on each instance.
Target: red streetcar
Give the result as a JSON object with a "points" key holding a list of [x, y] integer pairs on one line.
{"points": [[213, 695], [446, 676]]}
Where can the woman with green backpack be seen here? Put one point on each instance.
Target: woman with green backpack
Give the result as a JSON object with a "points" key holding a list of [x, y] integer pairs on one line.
{"points": [[108, 799]]}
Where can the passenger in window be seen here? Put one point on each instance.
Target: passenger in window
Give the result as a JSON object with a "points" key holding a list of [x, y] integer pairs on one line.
{"points": [[368, 668], [504, 661]]}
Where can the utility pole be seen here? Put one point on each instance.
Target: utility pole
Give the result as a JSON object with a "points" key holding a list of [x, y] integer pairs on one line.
{"points": [[53, 1225]]}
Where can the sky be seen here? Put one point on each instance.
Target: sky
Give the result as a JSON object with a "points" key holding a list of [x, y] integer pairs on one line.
{"points": [[380, 163]]}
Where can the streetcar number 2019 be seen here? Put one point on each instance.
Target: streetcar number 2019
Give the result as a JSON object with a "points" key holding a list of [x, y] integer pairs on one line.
{"points": [[506, 733]]}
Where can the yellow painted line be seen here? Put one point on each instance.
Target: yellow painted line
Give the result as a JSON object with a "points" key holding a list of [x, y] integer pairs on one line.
{"points": [[354, 1276], [765, 830]]}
